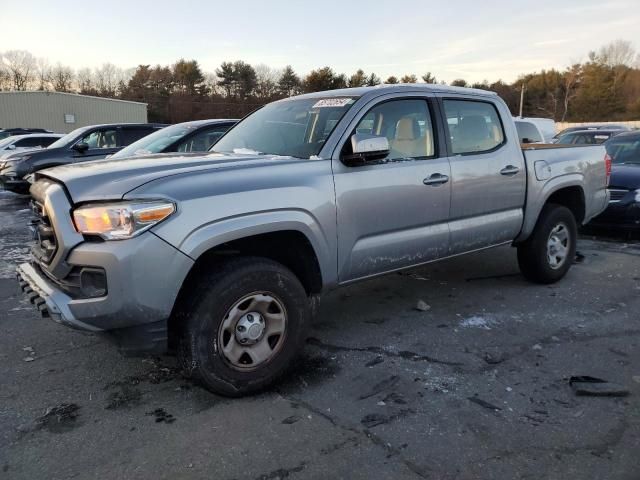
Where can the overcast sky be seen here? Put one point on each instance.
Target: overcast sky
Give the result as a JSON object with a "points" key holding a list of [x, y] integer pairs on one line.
{"points": [[452, 39]]}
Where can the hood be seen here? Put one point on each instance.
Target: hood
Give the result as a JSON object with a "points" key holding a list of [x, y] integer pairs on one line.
{"points": [[113, 178], [32, 152], [625, 176], [19, 152]]}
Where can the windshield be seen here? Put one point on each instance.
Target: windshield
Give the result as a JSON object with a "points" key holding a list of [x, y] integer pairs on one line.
{"points": [[296, 128], [4, 135], [5, 142], [156, 142], [624, 150], [68, 138]]}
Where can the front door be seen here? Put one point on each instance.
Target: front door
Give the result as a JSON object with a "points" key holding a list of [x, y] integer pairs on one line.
{"points": [[394, 213], [101, 142]]}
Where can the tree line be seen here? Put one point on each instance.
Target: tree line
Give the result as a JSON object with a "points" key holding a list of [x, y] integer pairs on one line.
{"points": [[604, 87]]}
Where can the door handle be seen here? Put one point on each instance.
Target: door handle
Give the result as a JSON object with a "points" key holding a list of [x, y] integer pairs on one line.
{"points": [[436, 179], [509, 170]]}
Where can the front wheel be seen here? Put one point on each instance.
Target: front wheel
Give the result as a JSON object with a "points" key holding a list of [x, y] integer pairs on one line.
{"points": [[245, 324], [549, 252]]}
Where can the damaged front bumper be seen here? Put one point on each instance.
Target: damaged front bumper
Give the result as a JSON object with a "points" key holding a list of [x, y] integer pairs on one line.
{"points": [[48, 299]]}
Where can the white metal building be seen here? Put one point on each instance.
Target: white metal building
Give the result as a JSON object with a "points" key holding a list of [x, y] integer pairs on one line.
{"points": [[63, 112]]}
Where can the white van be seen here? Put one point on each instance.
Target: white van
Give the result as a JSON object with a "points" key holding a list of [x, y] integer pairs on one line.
{"points": [[535, 130]]}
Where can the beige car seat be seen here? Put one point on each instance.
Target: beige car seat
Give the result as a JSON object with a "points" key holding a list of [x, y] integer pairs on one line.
{"points": [[407, 141]]}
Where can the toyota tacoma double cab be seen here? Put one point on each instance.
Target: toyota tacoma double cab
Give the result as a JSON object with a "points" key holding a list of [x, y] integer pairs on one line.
{"points": [[221, 257]]}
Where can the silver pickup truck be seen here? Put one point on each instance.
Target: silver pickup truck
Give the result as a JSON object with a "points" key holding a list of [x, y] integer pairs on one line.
{"points": [[220, 257]]}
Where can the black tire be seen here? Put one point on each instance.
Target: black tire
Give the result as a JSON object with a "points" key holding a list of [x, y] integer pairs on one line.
{"points": [[215, 293], [533, 255]]}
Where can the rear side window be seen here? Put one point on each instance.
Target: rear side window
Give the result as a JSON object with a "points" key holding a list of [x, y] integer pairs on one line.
{"points": [[35, 142], [130, 135], [474, 127], [528, 133], [202, 141]]}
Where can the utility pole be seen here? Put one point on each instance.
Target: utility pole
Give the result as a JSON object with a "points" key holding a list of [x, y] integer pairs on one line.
{"points": [[521, 98]]}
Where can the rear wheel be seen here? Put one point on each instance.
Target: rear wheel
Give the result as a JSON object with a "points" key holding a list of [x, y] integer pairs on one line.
{"points": [[549, 252], [245, 324]]}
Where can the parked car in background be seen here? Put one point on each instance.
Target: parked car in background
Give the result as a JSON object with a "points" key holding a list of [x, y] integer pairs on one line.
{"points": [[8, 132], [34, 141], [196, 136], [603, 126], [623, 211], [222, 256], [83, 144], [587, 137], [535, 130]]}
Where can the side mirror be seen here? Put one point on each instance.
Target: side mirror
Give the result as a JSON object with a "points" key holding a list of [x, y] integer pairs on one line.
{"points": [[367, 148], [11, 147], [81, 147]]}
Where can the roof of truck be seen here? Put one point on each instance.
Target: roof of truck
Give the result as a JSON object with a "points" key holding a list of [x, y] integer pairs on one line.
{"points": [[397, 88]]}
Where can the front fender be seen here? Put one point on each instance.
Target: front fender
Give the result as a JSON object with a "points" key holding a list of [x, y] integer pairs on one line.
{"points": [[228, 229]]}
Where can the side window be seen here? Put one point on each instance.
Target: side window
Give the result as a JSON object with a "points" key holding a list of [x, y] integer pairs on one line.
{"points": [[46, 141], [406, 124], [34, 142], [100, 139], [132, 134], [527, 132], [202, 141], [474, 127]]}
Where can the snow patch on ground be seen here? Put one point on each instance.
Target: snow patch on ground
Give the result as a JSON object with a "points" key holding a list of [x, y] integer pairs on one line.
{"points": [[11, 258], [477, 321]]}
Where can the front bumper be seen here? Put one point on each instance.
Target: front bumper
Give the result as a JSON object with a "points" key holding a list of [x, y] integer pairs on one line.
{"points": [[143, 277], [48, 299], [619, 215], [14, 184]]}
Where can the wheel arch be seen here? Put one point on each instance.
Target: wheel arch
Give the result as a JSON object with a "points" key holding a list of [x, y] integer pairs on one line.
{"points": [[287, 242], [567, 191]]}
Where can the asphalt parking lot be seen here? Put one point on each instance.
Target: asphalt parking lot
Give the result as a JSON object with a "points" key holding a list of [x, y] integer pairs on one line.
{"points": [[475, 386]]}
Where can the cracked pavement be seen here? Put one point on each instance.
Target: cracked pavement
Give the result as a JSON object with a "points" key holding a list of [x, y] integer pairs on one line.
{"points": [[474, 387]]}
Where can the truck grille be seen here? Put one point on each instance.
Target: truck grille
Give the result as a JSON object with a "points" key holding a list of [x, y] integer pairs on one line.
{"points": [[43, 234], [617, 194]]}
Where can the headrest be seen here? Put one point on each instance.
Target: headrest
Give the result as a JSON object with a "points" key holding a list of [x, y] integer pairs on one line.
{"points": [[407, 128]]}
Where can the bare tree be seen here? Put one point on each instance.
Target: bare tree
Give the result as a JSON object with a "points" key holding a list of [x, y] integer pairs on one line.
{"points": [[43, 72], [211, 82], [84, 81], [617, 53], [266, 81], [21, 66], [571, 79], [107, 79], [5, 78], [62, 78]]}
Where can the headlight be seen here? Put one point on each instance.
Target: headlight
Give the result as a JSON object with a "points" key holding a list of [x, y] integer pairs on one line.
{"points": [[118, 221], [637, 199]]}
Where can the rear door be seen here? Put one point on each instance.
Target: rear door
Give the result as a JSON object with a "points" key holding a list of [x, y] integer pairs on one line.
{"points": [[488, 174], [393, 213]]}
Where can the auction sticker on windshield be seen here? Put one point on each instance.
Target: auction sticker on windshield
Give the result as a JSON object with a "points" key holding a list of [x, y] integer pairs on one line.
{"points": [[332, 102]]}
